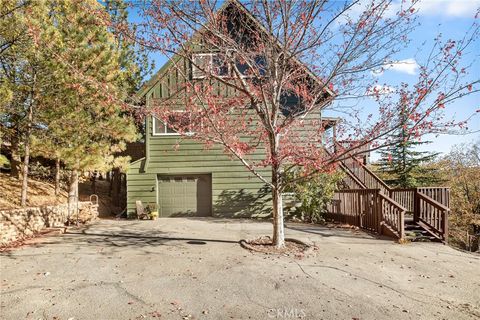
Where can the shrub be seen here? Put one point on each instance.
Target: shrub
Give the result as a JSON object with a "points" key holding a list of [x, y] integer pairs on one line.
{"points": [[314, 194], [4, 163]]}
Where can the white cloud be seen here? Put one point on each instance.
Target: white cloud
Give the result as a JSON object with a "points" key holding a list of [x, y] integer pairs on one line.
{"points": [[449, 8], [407, 66]]}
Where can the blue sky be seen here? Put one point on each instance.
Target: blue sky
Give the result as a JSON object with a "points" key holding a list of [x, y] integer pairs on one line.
{"points": [[451, 18]]}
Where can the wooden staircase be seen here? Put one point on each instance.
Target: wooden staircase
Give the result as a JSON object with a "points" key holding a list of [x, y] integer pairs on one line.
{"points": [[416, 214]]}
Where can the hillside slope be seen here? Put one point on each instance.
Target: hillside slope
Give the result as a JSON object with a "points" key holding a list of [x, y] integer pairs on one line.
{"points": [[39, 193]]}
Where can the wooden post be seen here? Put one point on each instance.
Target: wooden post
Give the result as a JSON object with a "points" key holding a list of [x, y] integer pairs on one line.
{"points": [[445, 225], [57, 176], [402, 225], [416, 206]]}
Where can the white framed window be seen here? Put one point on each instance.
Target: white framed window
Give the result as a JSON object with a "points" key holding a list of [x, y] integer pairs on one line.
{"points": [[214, 63], [201, 63], [160, 128], [258, 62]]}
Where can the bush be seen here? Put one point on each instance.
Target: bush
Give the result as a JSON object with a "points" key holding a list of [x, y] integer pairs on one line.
{"points": [[314, 194], [4, 163]]}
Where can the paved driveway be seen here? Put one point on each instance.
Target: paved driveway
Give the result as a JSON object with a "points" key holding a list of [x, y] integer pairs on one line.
{"points": [[195, 269]]}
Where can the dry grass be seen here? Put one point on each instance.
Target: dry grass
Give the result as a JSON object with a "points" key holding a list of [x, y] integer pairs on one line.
{"points": [[39, 193]]}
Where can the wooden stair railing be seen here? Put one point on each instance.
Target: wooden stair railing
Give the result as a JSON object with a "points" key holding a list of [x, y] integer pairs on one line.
{"points": [[432, 215], [368, 209], [369, 179], [430, 206], [393, 215]]}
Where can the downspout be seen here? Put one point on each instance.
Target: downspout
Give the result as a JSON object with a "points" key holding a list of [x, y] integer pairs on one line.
{"points": [[148, 130]]}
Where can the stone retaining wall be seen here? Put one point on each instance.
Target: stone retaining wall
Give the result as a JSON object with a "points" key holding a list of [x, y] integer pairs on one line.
{"points": [[17, 224]]}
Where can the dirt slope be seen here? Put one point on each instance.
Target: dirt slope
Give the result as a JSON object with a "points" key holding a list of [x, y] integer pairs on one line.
{"points": [[39, 193]]}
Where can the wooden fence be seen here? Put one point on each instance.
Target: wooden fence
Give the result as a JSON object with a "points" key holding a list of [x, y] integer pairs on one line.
{"points": [[439, 194], [356, 207]]}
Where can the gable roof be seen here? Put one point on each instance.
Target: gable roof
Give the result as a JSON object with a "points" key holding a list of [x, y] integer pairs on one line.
{"points": [[156, 77]]}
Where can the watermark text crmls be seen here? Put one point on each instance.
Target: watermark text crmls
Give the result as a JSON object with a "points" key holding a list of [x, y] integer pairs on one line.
{"points": [[286, 313]]}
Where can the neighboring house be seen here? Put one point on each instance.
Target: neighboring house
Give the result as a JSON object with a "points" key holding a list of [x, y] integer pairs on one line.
{"points": [[190, 180]]}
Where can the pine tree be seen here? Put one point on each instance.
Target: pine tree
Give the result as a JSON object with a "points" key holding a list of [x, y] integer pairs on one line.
{"points": [[401, 165], [25, 74], [86, 121], [65, 77]]}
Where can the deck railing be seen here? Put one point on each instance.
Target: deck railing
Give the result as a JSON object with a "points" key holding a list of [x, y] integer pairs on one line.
{"points": [[366, 176], [356, 207], [404, 197], [433, 214], [368, 209], [429, 205], [393, 215]]}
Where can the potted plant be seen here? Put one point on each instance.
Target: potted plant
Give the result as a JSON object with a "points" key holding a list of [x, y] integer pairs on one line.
{"points": [[152, 211]]}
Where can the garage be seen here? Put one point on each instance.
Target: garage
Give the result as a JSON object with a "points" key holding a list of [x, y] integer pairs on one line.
{"points": [[185, 195]]}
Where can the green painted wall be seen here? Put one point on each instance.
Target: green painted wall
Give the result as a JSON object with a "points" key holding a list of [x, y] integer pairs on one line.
{"points": [[235, 191]]}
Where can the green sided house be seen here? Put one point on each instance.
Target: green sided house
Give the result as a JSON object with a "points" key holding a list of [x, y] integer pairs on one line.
{"points": [[178, 174], [183, 178]]}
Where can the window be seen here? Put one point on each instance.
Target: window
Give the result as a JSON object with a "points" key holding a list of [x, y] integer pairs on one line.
{"points": [[220, 65], [291, 104], [259, 63], [201, 62], [160, 128], [214, 63], [217, 64]]}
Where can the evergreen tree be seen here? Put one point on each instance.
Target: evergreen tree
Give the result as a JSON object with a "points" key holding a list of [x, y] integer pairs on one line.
{"points": [[86, 121], [25, 75], [65, 78], [401, 165]]}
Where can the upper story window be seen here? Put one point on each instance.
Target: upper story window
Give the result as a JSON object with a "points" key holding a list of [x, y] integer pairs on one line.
{"points": [[291, 104], [216, 64], [160, 128], [259, 63]]}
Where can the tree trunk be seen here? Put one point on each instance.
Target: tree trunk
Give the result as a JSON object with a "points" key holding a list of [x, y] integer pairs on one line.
{"points": [[123, 191], [94, 183], [73, 193], [116, 183], [15, 160], [26, 161], [278, 225], [57, 177]]}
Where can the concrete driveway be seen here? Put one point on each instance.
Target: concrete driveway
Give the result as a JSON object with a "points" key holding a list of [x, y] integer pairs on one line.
{"points": [[194, 269]]}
